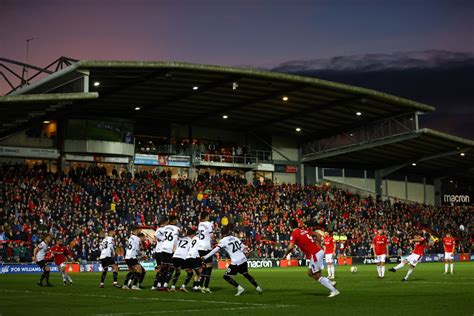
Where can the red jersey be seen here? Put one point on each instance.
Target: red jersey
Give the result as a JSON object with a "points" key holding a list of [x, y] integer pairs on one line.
{"points": [[420, 247], [380, 245], [302, 238], [448, 243], [329, 244], [59, 253]]}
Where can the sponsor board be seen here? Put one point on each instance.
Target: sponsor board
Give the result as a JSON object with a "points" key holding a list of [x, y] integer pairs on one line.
{"points": [[24, 268], [161, 160], [29, 152], [456, 198]]}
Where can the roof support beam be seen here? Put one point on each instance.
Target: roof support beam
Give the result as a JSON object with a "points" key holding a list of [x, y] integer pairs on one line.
{"points": [[263, 98]]}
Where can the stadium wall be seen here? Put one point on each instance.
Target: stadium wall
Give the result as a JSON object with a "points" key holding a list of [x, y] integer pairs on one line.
{"points": [[20, 139], [411, 191]]}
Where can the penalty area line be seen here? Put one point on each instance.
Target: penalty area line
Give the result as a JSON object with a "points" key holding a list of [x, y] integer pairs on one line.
{"points": [[248, 305], [187, 311]]}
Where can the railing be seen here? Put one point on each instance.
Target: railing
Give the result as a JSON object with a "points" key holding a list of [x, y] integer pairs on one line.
{"points": [[256, 156]]}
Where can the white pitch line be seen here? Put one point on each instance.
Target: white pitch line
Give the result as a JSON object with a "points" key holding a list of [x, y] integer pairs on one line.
{"points": [[150, 298], [184, 311]]}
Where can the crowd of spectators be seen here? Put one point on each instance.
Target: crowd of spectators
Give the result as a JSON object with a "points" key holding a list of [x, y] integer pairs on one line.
{"points": [[79, 206]]}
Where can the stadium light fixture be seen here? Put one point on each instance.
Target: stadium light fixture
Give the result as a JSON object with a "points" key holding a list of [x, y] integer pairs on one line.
{"points": [[96, 83], [225, 117], [137, 108], [298, 129], [463, 154], [195, 88], [46, 122], [358, 113], [285, 98], [235, 85], [413, 164]]}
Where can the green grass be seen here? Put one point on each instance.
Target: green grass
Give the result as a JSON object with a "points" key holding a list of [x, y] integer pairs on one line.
{"points": [[287, 292]]}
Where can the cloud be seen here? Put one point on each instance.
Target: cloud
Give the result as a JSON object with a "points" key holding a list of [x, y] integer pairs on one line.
{"points": [[428, 59]]}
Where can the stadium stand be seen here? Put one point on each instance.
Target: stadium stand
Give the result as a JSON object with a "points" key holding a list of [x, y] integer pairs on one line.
{"points": [[79, 206]]}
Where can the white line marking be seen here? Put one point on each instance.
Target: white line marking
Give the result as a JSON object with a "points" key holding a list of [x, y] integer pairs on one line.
{"points": [[185, 311], [150, 298]]}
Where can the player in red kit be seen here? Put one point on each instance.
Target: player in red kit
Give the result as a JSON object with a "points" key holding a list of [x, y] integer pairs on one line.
{"points": [[329, 254], [414, 257], [60, 254], [303, 239], [380, 249], [449, 246]]}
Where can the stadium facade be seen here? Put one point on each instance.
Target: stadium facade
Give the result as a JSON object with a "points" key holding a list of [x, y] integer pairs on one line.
{"points": [[183, 119]]}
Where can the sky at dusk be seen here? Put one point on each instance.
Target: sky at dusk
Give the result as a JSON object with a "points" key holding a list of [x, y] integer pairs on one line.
{"points": [[265, 34]]}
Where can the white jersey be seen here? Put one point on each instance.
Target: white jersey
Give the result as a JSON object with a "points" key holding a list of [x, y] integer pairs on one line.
{"points": [[42, 249], [193, 249], [159, 239], [235, 248], [133, 248], [107, 247], [182, 248], [204, 233], [170, 238]]}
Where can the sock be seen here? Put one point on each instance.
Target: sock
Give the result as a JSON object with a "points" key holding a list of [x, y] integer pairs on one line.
{"points": [[195, 284], [400, 265], [177, 273], [410, 271], [136, 278], [43, 276], [230, 280], [157, 279], [446, 268], [169, 274], [127, 278], [382, 268], [208, 279], [102, 277], [379, 270], [163, 274], [47, 276], [64, 276], [188, 278], [327, 284], [142, 277], [68, 278], [452, 267], [333, 270], [251, 279], [115, 274]]}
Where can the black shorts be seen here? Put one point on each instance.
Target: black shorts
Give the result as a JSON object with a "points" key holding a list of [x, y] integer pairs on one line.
{"points": [[131, 262], [166, 258], [234, 269], [42, 263], [202, 253], [178, 263], [157, 256], [109, 261], [192, 263]]}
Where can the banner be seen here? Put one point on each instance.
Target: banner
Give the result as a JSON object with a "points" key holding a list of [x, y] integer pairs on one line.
{"points": [[89, 158], [24, 268], [29, 152], [162, 160]]}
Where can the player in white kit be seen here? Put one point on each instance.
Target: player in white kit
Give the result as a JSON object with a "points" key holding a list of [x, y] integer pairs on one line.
{"points": [[205, 233], [107, 257], [157, 253], [132, 255], [179, 258], [39, 256], [235, 248], [192, 262], [170, 241]]}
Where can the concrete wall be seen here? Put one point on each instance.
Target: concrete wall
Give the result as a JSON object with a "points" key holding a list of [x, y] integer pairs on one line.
{"points": [[280, 177], [415, 191], [284, 149], [21, 140]]}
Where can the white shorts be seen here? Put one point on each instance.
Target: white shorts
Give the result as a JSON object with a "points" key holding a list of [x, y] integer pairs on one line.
{"points": [[316, 262], [413, 259], [380, 259], [329, 258], [448, 256], [62, 265]]}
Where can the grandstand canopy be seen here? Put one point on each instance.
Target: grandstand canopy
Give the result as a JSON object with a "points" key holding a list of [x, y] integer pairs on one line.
{"points": [[253, 100], [424, 151]]}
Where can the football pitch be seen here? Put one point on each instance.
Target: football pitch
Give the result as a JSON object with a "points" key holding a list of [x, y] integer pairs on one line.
{"points": [[287, 292]]}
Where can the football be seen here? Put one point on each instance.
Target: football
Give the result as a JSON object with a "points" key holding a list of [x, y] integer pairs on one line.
{"points": [[353, 269]]}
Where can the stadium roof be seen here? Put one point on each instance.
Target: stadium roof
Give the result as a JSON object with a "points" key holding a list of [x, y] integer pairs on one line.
{"points": [[424, 151], [253, 100]]}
